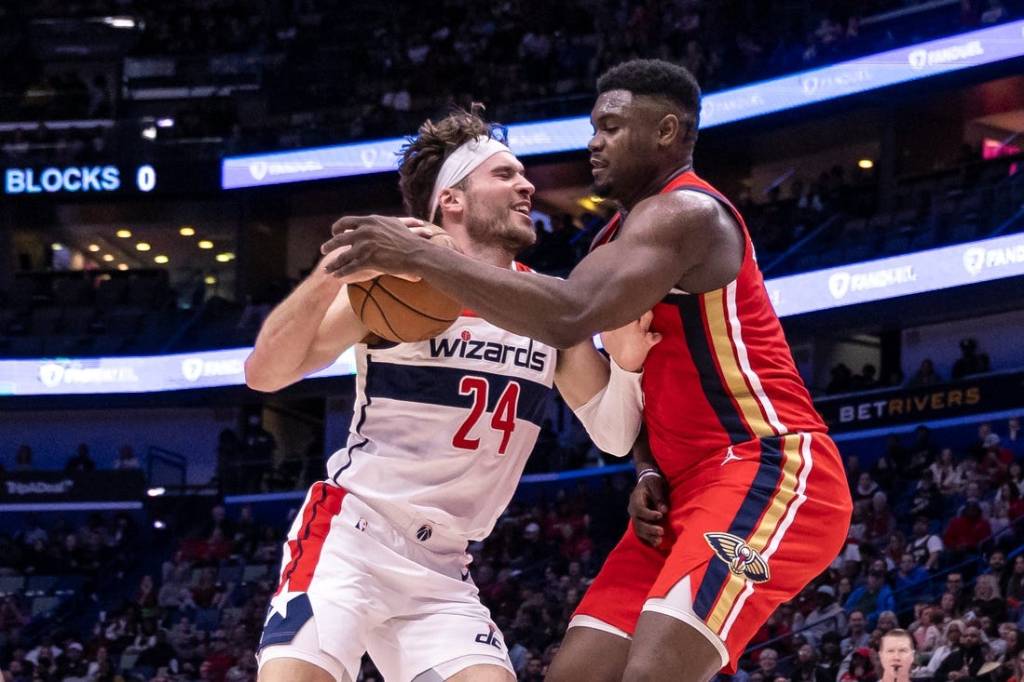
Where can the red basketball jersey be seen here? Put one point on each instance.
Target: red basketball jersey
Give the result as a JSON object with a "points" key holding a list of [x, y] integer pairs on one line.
{"points": [[723, 373]]}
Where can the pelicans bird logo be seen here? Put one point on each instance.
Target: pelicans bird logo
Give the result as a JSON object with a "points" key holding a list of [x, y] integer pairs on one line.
{"points": [[742, 559]]}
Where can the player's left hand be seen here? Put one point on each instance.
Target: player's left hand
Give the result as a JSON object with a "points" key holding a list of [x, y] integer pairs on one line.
{"points": [[372, 244], [629, 345]]}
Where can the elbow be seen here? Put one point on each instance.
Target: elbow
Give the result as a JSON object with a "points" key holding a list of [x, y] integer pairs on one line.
{"points": [[258, 379], [571, 329]]}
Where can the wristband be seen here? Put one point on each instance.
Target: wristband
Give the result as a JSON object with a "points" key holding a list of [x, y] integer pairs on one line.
{"points": [[649, 472]]}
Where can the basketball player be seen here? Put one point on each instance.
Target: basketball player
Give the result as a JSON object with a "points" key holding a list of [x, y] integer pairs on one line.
{"points": [[758, 502], [376, 559]]}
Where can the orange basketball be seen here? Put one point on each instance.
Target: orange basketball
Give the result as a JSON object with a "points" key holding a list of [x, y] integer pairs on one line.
{"points": [[399, 310]]}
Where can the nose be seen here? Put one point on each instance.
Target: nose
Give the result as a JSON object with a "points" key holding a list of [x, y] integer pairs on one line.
{"points": [[595, 143], [524, 186]]}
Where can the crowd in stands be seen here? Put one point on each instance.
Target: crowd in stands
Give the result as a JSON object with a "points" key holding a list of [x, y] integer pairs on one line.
{"points": [[934, 547], [971, 362], [330, 71]]}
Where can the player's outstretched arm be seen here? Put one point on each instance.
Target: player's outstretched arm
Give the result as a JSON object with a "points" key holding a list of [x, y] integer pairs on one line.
{"points": [[665, 238], [304, 333]]}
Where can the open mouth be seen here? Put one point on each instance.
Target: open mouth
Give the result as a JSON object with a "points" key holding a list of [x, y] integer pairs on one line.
{"points": [[523, 209]]}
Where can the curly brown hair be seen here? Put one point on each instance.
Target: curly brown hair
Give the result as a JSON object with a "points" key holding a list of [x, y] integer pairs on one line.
{"points": [[423, 155]]}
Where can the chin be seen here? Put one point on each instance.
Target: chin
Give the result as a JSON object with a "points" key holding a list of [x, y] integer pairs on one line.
{"points": [[603, 189]]}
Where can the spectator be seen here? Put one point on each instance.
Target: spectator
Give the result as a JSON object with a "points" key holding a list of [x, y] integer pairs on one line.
{"points": [[866, 488], [80, 462], [23, 458], [827, 616], [1015, 437], [857, 635], [966, 661], [970, 360], [945, 474], [968, 530], [988, 602], [925, 375], [925, 546], [954, 631], [126, 458]]}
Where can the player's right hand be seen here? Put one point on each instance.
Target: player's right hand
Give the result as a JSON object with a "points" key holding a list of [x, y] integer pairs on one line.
{"points": [[648, 508]]}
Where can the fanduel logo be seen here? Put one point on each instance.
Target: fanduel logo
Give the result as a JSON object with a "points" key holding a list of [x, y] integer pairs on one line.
{"points": [[978, 258], [489, 351], [195, 368], [919, 59], [260, 169], [842, 283], [52, 374]]}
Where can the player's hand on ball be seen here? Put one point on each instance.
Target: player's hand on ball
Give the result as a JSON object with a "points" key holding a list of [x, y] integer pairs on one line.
{"points": [[628, 345], [648, 508], [372, 245]]}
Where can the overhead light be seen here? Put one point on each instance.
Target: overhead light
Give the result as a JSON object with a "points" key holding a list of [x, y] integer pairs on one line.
{"points": [[225, 257], [159, 525], [119, 22], [122, 266], [210, 279], [143, 246], [156, 492], [205, 244], [161, 259], [149, 132], [57, 246], [866, 164], [187, 231], [595, 199], [94, 247], [107, 257], [124, 234], [166, 122]]}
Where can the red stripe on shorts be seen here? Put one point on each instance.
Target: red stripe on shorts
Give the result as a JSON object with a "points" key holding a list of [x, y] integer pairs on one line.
{"points": [[323, 505]]}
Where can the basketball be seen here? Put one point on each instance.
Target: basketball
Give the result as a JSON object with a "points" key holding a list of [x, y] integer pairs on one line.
{"points": [[399, 310]]}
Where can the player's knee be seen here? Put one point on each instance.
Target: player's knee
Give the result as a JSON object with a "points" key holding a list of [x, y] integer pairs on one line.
{"points": [[294, 670], [482, 673]]}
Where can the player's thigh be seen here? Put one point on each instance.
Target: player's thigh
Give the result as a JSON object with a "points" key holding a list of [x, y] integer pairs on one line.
{"points": [[590, 655], [666, 649], [295, 670], [483, 673]]}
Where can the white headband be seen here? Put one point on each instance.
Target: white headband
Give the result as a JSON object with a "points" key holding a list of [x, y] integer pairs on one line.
{"points": [[461, 163]]}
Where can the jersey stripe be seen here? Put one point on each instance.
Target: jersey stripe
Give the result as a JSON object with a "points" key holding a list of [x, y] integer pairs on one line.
{"points": [[743, 524], [701, 352], [734, 383], [748, 371], [434, 385], [776, 511]]}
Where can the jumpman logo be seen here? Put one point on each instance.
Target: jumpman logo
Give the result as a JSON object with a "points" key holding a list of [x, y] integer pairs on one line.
{"points": [[730, 456]]}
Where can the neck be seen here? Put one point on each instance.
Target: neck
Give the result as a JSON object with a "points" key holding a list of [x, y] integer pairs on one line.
{"points": [[658, 180], [892, 676], [492, 254]]}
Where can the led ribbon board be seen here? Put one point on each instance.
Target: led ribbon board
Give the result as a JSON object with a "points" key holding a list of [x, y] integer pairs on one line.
{"points": [[883, 69], [808, 292]]}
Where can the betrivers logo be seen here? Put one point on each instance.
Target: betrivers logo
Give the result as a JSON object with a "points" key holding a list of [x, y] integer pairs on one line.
{"points": [[842, 282], [921, 58], [978, 258]]}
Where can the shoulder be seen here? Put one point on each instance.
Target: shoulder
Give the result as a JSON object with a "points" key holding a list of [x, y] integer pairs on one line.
{"points": [[682, 215]]}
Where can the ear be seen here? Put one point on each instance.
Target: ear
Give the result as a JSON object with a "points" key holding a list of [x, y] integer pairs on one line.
{"points": [[671, 130], [452, 200]]}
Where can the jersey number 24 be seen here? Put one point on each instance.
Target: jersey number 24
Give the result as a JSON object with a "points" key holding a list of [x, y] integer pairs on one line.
{"points": [[503, 419]]}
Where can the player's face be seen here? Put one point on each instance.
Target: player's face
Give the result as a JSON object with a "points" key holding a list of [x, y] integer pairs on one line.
{"points": [[896, 652], [623, 145], [498, 202]]}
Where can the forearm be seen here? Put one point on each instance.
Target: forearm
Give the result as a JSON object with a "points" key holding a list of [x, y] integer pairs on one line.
{"points": [[537, 306], [288, 332], [643, 458]]}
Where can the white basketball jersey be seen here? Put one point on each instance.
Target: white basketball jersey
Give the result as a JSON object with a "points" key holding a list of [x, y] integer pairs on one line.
{"points": [[442, 428]]}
